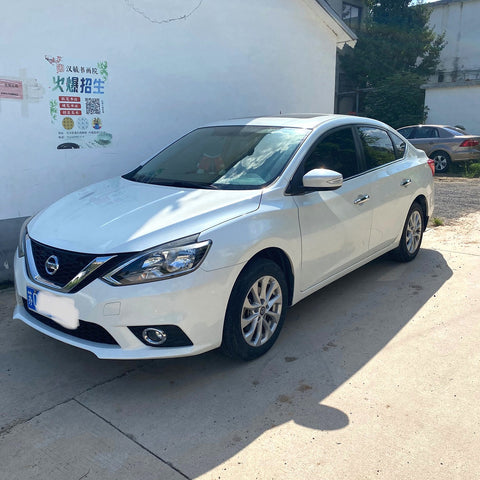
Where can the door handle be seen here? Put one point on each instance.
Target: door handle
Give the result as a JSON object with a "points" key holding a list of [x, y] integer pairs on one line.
{"points": [[406, 182], [361, 199]]}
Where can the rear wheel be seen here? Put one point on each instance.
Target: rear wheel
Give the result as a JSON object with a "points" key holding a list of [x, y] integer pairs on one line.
{"points": [[255, 311], [412, 235], [442, 161]]}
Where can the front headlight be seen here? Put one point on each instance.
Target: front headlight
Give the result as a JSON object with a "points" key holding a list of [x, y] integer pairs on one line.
{"points": [[166, 261], [21, 238]]}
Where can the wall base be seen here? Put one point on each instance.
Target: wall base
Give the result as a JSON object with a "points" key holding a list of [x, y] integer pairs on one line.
{"points": [[9, 231]]}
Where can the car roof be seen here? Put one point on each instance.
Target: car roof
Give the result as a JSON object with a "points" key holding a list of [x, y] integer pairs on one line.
{"points": [[459, 130], [430, 125], [298, 120]]}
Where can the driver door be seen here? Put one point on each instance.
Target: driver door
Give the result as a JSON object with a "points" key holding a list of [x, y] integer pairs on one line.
{"points": [[335, 225]]}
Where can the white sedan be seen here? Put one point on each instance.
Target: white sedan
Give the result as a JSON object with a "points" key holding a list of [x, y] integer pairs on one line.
{"points": [[208, 243]]}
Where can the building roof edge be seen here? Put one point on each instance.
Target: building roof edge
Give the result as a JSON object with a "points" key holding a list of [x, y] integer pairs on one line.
{"points": [[344, 34]]}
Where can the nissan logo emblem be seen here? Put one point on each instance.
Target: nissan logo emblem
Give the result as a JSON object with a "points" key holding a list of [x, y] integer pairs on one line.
{"points": [[52, 265]]}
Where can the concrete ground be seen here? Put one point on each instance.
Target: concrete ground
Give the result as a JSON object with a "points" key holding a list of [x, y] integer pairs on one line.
{"points": [[375, 376]]}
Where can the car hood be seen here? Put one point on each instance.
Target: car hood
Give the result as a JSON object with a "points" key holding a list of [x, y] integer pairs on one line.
{"points": [[120, 215]]}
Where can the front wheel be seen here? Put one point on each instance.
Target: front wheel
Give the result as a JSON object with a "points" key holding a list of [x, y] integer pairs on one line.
{"points": [[255, 311], [412, 235]]}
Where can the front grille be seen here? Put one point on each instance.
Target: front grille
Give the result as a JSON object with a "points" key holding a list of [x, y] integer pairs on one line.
{"points": [[71, 263], [85, 331]]}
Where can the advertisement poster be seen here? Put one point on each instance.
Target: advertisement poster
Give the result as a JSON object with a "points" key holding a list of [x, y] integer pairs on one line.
{"points": [[78, 109]]}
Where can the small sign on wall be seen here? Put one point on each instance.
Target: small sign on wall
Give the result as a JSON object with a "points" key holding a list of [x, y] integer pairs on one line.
{"points": [[11, 89], [78, 109]]}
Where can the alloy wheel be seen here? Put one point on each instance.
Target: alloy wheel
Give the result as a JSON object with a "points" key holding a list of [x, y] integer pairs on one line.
{"points": [[441, 162], [414, 232], [261, 311]]}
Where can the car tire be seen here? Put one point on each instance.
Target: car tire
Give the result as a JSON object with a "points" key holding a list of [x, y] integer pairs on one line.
{"points": [[442, 161], [256, 311], [412, 235]]}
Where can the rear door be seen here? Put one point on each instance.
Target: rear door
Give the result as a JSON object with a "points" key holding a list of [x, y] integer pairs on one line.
{"points": [[394, 182]]}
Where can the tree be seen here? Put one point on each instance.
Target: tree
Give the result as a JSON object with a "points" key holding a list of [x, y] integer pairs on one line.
{"points": [[397, 100], [395, 53]]}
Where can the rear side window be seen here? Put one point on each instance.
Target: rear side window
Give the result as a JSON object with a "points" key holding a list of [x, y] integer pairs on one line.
{"points": [[399, 145], [449, 131], [336, 151], [377, 147]]}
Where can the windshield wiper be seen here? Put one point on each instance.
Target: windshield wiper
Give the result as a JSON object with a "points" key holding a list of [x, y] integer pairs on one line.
{"points": [[182, 184]]}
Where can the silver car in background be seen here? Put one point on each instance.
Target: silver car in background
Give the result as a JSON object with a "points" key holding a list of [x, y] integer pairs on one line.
{"points": [[443, 144]]}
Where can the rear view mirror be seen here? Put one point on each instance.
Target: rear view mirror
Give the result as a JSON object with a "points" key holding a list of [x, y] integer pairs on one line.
{"points": [[322, 179]]}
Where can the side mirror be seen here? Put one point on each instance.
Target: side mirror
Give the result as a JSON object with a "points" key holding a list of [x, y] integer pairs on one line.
{"points": [[322, 179]]}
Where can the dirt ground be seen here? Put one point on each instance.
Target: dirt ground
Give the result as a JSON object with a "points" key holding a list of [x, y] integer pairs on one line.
{"points": [[456, 197]]}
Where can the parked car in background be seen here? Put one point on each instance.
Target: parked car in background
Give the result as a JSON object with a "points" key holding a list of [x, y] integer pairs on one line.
{"points": [[209, 242], [443, 144]]}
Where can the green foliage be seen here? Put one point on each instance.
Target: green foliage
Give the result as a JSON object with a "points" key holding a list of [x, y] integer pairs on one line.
{"points": [[437, 222], [395, 47], [473, 170], [397, 100]]}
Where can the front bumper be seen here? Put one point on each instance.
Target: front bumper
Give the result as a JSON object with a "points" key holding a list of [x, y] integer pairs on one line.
{"points": [[195, 303]]}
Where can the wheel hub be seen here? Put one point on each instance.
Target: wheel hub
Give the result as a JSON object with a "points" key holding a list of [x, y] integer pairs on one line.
{"points": [[261, 311]]}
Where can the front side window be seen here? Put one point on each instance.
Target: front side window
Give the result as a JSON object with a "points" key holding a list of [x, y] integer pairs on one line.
{"points": [[336, 151], [225, 157], [377, 147], [426, 132], [407, 132]]}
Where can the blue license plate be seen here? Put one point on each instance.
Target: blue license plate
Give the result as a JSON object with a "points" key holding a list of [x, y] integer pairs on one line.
{"points": [[32, 298], [61, 310]]}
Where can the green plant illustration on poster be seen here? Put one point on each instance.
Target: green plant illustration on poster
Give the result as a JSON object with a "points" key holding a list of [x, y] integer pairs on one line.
{"points": [[102, 67], [53, 110]]}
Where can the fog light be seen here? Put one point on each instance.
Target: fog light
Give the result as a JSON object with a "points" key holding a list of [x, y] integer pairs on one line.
{"points": [[161, 336], [154, 336]]}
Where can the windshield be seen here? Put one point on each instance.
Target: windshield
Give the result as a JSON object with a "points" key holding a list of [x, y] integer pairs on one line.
{"points": [[228, 157]]}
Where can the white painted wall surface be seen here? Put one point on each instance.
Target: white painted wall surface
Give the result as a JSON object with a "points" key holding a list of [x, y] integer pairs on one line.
{"points": [[225, 59], [459, 21], [453, 97], [455, 106]]}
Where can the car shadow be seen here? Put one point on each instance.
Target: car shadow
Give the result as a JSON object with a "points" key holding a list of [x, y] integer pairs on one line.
{"points": [[196, 413]]}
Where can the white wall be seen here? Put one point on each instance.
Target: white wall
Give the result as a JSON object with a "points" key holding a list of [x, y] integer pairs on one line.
{"points": [[453, 98], [459, 20], [225, 59], [455, 106]]}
